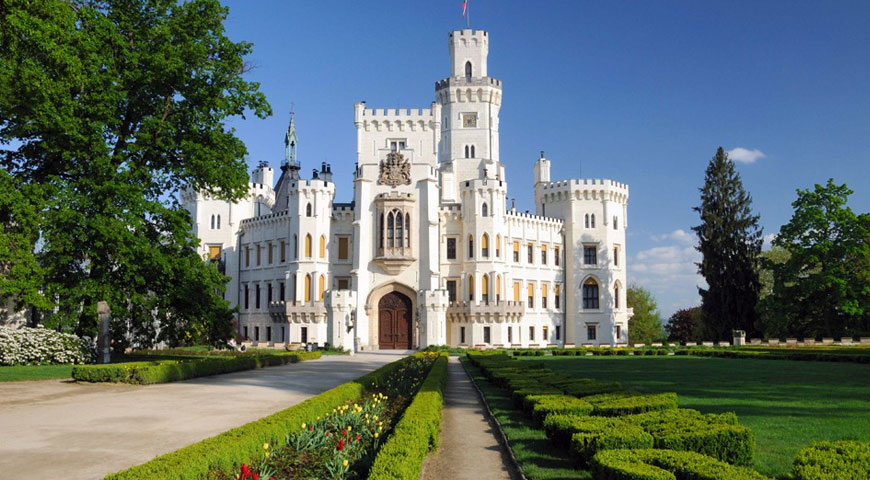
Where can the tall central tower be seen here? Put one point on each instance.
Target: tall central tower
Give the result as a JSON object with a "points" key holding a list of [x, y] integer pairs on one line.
{"points": [[470, 102]]}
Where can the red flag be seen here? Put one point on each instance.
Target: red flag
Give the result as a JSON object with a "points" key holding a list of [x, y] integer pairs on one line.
{"points": [[464, 7]]}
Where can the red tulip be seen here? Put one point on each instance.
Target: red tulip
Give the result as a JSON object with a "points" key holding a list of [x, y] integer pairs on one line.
{"points": [[356, 437], [255, 475], [344, 432], [341, 444]]}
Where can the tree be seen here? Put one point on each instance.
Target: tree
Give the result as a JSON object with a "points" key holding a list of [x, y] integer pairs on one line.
{"points": [[729, 240], [823, 287], [686, 325], [772, 322], [112, 109], [645, 325]]}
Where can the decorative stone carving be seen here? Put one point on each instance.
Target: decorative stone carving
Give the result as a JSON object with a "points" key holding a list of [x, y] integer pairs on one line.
{"points": [[395, 170]]}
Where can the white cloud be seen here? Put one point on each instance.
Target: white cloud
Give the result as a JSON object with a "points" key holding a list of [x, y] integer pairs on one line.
{"points": [[744, 155], [678, 235], [768, 240]]}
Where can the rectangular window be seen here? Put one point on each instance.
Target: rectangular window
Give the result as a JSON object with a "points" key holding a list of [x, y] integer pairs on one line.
{"points": [[259, 256], [531, 254], [591, 332], [246, 332], [558, 332], [268, 294], [470, 247], [590, 296], [462, 335], [247, 297], [271, 258], [214, 252], [343, 248], [615, 256], [257, 296], [470, 288], [618, 331], [556, 255], [590, 256], [283, 251], [543, 254], [510, 334], [531, 295], [531, 334], [268, 334], [516, 252], [451, 290], [516, 291], [344, 283], [247, 256], [303, 334], [281, 291], [257, 333], [451, 249], [486, 338], [558, 297], [544, 296], [545, 334], [283, 337]]}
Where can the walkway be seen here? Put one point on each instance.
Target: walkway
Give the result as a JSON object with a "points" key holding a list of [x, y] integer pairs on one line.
{"points": [[469, 448], [60, 429]]}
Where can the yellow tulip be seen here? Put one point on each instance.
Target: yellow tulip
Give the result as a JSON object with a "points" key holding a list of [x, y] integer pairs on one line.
{"points": [[344, 463]]}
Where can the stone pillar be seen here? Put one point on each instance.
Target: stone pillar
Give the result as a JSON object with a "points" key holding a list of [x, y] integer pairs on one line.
{"points": [[341, 318], [432, 305], [103, 340], [739, 338]]}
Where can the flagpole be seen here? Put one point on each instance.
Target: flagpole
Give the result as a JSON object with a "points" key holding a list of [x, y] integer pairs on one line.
{"points": [[467, 16]]}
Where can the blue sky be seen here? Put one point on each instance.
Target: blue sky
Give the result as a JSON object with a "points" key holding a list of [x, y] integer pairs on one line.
{"points": [[640, 92]]}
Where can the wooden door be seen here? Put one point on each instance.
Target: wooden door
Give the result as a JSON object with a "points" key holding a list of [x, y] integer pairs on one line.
{"points": [[394, 322]]}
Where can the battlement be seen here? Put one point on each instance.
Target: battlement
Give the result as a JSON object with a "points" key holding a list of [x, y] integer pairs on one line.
{"points": [[467, 82], [583, 189], [342, 207], [269, 217], [532, 217], [363, 114], [468, 33]]}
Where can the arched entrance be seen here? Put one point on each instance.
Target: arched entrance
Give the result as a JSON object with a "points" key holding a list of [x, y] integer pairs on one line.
{"points": [[395, 321]]}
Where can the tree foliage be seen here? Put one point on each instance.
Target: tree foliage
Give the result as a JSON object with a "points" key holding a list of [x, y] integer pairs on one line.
{"points": [[822, 288], [686, 325], [110, 109], [729, 240], [645, 325]]}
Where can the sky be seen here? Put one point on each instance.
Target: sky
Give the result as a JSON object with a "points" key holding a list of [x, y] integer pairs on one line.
{"points": [[638, 92]]}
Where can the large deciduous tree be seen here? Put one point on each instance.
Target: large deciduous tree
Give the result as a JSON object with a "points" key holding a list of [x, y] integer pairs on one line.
{"points": [[645, 324], [108, 109], [729, 240], [822, 287], [686, 325]]}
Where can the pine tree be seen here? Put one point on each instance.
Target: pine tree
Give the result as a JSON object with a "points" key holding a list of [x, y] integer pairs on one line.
{"points": [[729, 239]]}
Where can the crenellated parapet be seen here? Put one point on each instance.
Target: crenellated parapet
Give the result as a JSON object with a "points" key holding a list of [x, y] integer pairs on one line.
{"points": [[583, 189], [397, 119]]}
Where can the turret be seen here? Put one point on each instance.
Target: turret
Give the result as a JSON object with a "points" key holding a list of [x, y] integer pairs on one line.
{"points": [[291, 161], [468, 52], [542, 170]]}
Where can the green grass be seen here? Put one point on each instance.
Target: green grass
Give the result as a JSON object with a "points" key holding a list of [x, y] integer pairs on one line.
{"points": [[18, 373], [788, 404], [536, 456]]}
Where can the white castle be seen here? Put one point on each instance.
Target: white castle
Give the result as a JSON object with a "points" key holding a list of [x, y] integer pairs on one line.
{"points": [[428, 252]]}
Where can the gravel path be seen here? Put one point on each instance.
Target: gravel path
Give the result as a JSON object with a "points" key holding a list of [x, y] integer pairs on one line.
{"points": [[61, 429], [469, 448]]}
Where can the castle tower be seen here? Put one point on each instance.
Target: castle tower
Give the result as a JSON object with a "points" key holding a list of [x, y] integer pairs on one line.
{"points": [[471, 102]]}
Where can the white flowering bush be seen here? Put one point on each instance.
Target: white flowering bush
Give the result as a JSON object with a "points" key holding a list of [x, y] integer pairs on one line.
{"points": [[33, 346]]}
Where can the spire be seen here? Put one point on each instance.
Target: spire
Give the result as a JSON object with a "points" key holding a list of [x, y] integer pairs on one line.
{"points": [[290, 144]]}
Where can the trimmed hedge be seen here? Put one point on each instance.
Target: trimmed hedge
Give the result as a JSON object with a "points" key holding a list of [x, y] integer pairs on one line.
{"points": [[227, 450], [587, 435], [618, 404], [539, 406], [649, 464], [144, 373], [843, 460], [401, 458]]}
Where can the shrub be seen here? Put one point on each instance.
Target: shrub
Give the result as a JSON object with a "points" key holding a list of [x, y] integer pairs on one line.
{"points": [[539, 406], [144, 373], [611, 405], [843, 460], [403, 454], [583, 387], [39, 346], [224, 452], [586, 435], [648, 464]]}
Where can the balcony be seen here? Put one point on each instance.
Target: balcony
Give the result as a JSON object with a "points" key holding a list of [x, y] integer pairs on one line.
{"points": [[297, 312], [394, 259], [486, 312]]}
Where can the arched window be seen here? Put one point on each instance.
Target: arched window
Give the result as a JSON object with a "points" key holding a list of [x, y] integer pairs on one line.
{"points": [[587, 220], [616, 296], [470, 246], [498, 246], [320, 287], [391, 221], [615, 222], [307, 246], [212, 222], [407, 230], [472, 152], [590, 295], [308, 210], [400, 229], [307, 288], [467, 151], [497, 288], [484, 288], [219, 222], [484, 246], [471, 288], [593, 220], [322, 246], [467, 69], [484, 210]]}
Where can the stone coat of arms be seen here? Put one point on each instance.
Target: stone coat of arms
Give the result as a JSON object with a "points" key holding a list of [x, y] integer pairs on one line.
{"points": [[395, 170]]}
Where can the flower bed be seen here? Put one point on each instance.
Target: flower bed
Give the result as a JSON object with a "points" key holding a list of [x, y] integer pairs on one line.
{"points": [[39, 346], [844, 460], [162, 371]]}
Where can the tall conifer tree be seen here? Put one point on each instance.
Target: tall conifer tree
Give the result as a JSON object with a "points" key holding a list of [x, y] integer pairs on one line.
{"points": [[729, 239]]}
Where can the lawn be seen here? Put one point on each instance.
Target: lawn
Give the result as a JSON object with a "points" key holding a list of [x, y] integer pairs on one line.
{"points": [[19, 373], [788, 404]]}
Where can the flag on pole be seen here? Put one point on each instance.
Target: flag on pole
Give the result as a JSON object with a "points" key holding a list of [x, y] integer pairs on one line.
{"points": [[464, 7]]}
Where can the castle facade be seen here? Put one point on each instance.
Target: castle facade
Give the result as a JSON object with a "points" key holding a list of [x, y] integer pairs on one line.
{"points": [[428, 252]]}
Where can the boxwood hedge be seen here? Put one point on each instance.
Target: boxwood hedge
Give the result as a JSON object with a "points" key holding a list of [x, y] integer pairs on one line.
{"points": [[401, 458], [612, 404], [650, 464], [843, 460], [163, 371]]}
